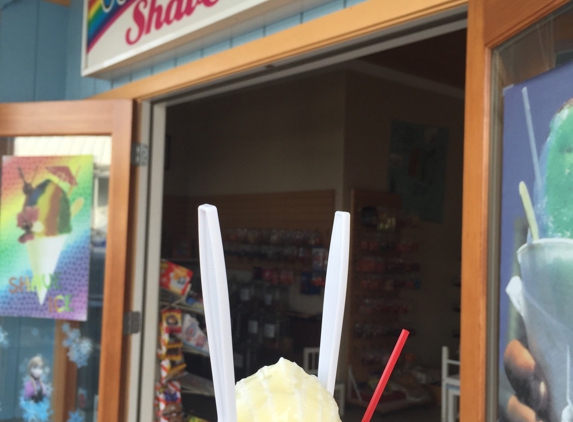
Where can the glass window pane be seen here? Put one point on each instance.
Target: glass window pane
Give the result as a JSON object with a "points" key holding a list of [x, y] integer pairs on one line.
{"points": [[50, 367], [532, 79]]}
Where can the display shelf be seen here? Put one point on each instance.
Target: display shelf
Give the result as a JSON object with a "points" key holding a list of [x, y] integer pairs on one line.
{"points": [[179, 302], [192, 351], [193, 309], [384, 253], [194, 384], [183, 260], [391, 406]]}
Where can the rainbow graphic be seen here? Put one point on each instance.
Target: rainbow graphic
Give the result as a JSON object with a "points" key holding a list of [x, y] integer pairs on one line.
{"points": [[45, 232], [101, 15]]}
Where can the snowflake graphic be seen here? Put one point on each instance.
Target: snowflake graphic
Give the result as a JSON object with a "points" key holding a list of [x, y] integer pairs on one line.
{"points": [[79, 348], [76, 416], [35, 412], [3, 339]]}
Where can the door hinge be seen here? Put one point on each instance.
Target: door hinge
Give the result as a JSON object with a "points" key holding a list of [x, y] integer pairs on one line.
{"points": [[131, 323], [139, 155]]}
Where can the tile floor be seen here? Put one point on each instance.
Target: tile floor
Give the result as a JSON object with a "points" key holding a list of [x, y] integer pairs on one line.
{"points": [[420, 414]]}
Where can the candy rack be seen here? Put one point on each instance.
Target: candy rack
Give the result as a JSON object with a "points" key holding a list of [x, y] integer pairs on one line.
{"points": [[383, 265]]}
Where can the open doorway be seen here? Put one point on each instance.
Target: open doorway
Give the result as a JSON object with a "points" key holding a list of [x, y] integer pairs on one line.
{"points": [[380, 136]]}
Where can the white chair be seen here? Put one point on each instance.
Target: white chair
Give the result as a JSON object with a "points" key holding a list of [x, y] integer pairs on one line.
{"points": [[450, 387], [310, 366]]}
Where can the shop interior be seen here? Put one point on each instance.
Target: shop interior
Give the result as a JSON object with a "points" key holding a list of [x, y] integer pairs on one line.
{"points": [[381, 137]]}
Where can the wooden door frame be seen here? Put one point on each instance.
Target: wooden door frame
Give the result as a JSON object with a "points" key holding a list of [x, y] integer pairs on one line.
{"points": [[490, 23], [360, 21], [113, 118]]}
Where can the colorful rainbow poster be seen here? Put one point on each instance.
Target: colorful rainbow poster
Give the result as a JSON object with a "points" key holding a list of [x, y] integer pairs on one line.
{"points": [[45, 229]]}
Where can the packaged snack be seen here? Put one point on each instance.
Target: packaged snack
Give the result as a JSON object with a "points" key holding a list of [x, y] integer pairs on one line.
{"points": [[168, 402], [170, 332], [171, 369], [193, 336], [173, 412], [175, 277]]}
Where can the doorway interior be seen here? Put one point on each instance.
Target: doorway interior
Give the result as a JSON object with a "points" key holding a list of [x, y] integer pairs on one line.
{"points": [[379, 135]]}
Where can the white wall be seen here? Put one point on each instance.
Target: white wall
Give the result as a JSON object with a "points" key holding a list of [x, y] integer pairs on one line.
{"points": [[281, 138], [287, 137]]}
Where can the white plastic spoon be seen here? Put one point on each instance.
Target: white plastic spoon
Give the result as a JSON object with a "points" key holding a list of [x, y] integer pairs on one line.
{"points": [[334, 300], [217, 315]]}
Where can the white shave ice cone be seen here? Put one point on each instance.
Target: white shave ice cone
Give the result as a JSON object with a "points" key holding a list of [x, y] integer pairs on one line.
{"points": [[44, 253]]}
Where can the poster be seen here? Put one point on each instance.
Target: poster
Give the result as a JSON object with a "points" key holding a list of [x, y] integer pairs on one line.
{"points": [[417, 168], [536, 252], [45, 228]]}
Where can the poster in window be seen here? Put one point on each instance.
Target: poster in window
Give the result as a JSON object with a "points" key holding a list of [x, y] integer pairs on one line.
{"points": [[45, 228], [536, 249], [417, 170]]}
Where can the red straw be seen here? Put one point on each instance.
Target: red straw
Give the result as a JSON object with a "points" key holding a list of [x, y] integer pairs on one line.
{"points": [[385, 376]]}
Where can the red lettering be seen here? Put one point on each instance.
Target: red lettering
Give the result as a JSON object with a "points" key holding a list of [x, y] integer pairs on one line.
{"points": [[147, 18], [155, 11], [139, 19], [174, 11], [190, 7]]}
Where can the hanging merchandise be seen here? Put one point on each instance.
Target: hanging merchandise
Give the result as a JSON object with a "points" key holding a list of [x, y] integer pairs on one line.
{"points": [[171, 369], [171, 328], [168, 402], [386, 262], [193, 335]]}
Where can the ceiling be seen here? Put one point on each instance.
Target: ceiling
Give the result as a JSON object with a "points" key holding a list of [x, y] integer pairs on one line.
{"points": [[440, 59]]}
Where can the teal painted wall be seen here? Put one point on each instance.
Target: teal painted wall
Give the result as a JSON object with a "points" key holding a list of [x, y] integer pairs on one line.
{"points": [[32, 50]]}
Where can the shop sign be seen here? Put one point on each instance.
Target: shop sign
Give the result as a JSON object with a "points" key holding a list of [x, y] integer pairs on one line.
{"points": [[45, 231], [122, 32], [536, 247]]}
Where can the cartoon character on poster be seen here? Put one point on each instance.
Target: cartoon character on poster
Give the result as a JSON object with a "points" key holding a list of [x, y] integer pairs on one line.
{"points": [[536, 333], [45, 229], [35, 397]]}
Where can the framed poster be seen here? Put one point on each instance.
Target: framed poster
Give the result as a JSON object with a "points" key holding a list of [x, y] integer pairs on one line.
{"points": [[45, 230], [417, 170], [536, 249]]}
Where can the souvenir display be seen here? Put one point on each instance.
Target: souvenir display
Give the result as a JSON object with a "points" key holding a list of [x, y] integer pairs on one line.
{"points": [[385, 263], [193, 336], [168, 402], [170, 334]]}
